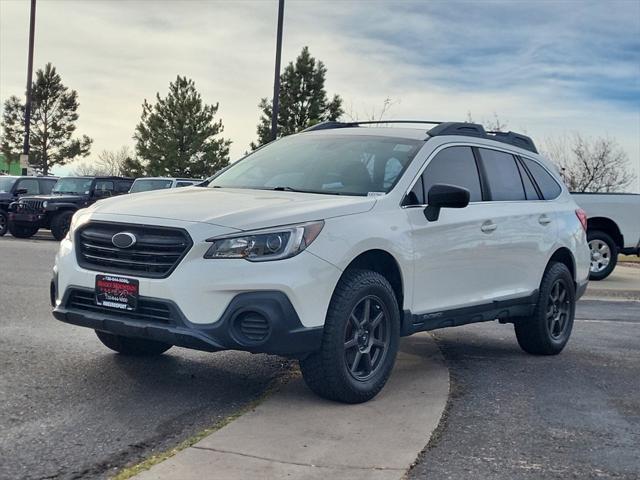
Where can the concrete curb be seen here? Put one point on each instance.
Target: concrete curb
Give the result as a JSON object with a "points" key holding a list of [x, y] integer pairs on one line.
{"points": [[295, 434]]}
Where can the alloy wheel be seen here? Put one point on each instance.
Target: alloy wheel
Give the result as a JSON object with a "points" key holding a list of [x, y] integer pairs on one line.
{"points": [[558, 309], [367, 338]]}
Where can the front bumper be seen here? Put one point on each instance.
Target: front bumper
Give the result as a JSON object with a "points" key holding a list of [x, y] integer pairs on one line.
{"points": [[273, 325], [30, 219]]}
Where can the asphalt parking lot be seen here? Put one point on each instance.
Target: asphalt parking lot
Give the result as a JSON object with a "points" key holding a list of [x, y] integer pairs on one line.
{"points": [[73, 409]]}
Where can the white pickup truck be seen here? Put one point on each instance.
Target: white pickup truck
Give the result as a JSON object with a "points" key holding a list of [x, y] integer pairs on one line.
{"points": [[613, 227]]}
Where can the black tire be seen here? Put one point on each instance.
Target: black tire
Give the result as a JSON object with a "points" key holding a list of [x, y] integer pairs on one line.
{"points": [[19, 231], [3, 224], [603, 260], [357, 352], [61, 223], [132, 346], [548, 330]]}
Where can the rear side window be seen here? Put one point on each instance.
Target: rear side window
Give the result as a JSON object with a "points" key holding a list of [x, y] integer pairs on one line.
{"points": [[454, 166], [104, 185], [184, 184], [502, 175], [123, 186], [547, 184], [529, 188]]}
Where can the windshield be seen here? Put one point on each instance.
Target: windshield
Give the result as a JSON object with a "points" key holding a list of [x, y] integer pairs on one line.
{"points": [[329, 164], [6, 183], [148, 184], [73, 185]]}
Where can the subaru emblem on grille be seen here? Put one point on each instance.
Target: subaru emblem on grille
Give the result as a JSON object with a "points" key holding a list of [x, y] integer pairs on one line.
{"points": [[124, 240]]}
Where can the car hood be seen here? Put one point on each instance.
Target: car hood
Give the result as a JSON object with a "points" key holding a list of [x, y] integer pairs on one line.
{"points": [[234, 208], [53, 198]]}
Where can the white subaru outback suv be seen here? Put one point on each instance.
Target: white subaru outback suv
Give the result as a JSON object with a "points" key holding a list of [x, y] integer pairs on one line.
{"points": [[328, 246]]}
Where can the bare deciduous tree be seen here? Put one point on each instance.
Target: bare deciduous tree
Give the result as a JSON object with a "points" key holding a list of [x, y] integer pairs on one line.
{"points": [[374, 115], [590, 164], [492, 125], [107, 163]]}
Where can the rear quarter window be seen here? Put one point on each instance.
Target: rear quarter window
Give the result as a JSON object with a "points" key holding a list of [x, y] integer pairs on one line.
{"points": [[547, 184]]}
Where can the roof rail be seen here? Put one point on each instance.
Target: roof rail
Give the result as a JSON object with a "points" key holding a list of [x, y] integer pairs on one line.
{"points": [[477, 130], [443, 128]]}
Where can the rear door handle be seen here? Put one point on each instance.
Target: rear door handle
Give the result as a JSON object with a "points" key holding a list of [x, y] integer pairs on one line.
{"points": [[488, 226], [544, 219]]}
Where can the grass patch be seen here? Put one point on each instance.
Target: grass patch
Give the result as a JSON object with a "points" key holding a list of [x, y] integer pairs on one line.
{"points": [[129, 472]]}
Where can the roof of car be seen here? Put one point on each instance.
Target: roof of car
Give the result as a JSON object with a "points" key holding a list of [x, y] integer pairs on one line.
{"points": [[465, 129], [171, 178]]}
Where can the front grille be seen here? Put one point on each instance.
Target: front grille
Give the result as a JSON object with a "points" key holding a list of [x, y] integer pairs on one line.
{"points": [[30, 205], [155, 254], [148, 310]]}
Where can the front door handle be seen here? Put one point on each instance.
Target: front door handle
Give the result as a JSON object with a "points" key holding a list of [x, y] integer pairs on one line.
{"points": [[544, 219], [488, 226]]}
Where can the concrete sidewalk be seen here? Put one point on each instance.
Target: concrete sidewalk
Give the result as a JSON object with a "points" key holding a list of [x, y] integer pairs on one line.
{"points": [[623, 283], [295, 434]]}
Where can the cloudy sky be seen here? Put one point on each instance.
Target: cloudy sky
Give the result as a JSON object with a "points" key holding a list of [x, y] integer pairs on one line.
{"points": [[546, 67]]}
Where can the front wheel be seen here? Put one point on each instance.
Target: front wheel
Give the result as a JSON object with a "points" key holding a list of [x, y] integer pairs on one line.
{"points": [[604, 254], [60, 224], [360, 340], [3, 224], [547, 331], [132, 346], [19, 231]]}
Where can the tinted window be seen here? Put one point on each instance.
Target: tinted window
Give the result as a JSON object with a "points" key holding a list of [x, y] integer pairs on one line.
{"points": [[46, 186], [104, 185], [548, 186], [454, 166], [30, 184], [502, 175], [123, 186], [529, 188], [416, 195], [184, 184]]}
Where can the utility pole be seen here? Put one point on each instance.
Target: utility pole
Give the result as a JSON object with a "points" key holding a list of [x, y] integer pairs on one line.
{"points": [[276, 80], [27, 110]]}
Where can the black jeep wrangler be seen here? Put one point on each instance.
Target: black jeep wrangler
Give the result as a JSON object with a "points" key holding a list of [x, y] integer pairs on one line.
{"points": [[13, 187], [54, 211]]}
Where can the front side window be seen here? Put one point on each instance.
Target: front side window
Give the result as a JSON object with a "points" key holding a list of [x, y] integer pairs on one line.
{"points": [[327, 164], [73, 185], [30, 185], [502, 175], [148, 184], [454, 166], [548, 186], [46, 186]]}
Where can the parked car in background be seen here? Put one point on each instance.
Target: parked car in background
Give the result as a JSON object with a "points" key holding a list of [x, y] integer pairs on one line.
{"points": [[146, 184], [54, 211], [328, 246], [13, 187], [613, 228]]}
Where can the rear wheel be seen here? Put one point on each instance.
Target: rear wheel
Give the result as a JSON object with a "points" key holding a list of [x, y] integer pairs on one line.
{"points": [[604, 254], [548, 330], [360, 340], [60, 224], [19, 231], [3, 224], [132, 346]]}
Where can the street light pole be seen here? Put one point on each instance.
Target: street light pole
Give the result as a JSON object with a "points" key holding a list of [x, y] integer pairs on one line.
{"points": [[27, 110], [276, 81]]}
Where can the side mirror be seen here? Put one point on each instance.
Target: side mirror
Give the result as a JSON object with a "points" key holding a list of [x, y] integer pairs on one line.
{"points": [[21, 191], [444, 196]]}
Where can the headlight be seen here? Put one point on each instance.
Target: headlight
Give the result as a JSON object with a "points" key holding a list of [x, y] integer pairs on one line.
{"points": [[264, 245], [44, 204]]}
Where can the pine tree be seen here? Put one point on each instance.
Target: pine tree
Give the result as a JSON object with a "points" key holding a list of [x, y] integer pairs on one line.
{"points": [[303, 99], [53, 122], [178, 135]]}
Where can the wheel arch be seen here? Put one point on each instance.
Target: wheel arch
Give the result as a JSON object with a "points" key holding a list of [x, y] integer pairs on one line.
{"points": [[563, 255], [384, 263], [607, 226]]}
